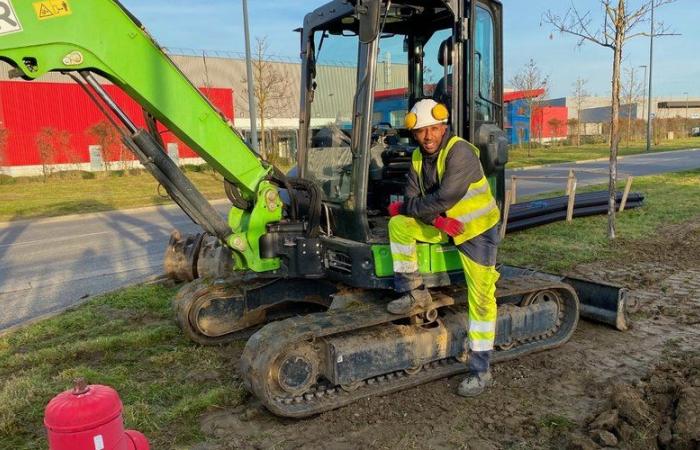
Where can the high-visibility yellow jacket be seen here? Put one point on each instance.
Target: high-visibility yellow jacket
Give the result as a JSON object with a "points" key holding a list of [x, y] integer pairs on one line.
{"points": [[477, 209]]}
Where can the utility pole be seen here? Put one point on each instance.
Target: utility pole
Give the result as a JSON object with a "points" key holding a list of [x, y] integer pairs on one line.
{"points": [[252, 108], [644, 95], [651, 58]]}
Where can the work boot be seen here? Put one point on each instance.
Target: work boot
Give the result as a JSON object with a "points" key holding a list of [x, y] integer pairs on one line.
{"points": [[416, 298], [474, 384]]}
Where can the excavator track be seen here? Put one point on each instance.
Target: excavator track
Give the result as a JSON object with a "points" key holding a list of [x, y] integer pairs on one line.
{"points": [[218, 311], [306, 365]]}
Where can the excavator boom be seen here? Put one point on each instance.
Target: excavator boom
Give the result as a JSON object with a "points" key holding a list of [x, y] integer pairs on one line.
{"points": [[101, 37]]}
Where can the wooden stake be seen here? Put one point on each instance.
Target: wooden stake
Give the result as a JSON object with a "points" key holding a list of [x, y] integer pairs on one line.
{"points": [[628, 186], [506, 211], [513, 190], [571, 192]]}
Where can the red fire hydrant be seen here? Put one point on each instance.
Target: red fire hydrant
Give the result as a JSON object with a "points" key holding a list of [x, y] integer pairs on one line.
{"points": [[89, 418]]}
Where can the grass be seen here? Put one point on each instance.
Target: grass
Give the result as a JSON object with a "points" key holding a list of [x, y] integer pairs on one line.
{"points": [[30, 198], [670, 198], [550, 155], [128, 339], [556, 423]]}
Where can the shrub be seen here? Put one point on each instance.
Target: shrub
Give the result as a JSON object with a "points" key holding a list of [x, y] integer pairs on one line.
{"points": [[191, 168], [88, 175], [196, 168], [6, 179]]}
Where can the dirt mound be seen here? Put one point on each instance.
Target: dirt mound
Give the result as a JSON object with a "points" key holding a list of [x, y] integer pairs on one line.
{"points": [[662, 411]]}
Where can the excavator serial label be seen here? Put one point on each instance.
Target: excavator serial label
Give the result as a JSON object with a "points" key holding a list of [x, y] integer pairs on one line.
{"points": [[50, 9], [9, 23]]}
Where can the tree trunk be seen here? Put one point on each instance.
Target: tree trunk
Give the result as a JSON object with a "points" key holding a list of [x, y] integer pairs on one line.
{"points": [[615, 120], [578, 128], [263, 143], [629, 108]]}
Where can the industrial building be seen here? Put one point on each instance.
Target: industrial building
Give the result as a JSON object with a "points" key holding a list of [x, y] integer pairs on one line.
{"points": [[56, 105], [52, 122]]}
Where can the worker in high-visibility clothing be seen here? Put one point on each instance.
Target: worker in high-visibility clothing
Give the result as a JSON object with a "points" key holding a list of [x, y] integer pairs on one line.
{"points": [[448, 197]]}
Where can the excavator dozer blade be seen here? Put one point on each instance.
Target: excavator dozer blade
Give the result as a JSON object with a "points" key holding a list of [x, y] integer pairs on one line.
{"points": [[600, 301]]}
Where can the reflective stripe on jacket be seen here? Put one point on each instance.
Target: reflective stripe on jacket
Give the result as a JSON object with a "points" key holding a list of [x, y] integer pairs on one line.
{"points": [[477, 210]]}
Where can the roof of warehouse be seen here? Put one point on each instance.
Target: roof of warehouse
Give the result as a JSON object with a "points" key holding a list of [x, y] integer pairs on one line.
{"points": [[680, 104]]}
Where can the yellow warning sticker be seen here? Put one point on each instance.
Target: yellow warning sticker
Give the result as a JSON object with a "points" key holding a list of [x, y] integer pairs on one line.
{"points": [[50, 9]]}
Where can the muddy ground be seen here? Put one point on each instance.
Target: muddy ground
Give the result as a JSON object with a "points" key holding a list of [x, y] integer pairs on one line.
{"points": [[605, 388]]}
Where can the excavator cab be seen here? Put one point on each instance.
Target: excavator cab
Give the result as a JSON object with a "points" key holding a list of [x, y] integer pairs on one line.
{"points": [[364, 64]]}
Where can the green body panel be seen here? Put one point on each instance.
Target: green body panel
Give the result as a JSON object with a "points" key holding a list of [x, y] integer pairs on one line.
{"points": [[432, 258], [248, 227], [99, 35], [492, 184]]}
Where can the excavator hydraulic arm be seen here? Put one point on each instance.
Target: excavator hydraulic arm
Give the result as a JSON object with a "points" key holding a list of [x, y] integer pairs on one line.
{"points": [[101, 37]]}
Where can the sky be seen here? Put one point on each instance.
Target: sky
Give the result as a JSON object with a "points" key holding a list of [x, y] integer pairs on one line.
{"points": [[218, 25]]}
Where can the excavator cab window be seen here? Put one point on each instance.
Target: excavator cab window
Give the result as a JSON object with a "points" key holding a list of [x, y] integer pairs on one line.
{"points": [[485, 67], [329, 159]]}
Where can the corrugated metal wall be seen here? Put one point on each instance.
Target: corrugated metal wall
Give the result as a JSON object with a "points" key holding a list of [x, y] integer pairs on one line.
{"points": [[541, 122], [27, 108], [56, 102]]}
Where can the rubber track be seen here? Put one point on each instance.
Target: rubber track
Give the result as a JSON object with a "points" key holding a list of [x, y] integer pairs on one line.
{"points": [[266, 346]]}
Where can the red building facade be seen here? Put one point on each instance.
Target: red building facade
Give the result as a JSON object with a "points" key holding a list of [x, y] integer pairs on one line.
{"points": [[31, 112], [549, 123]]}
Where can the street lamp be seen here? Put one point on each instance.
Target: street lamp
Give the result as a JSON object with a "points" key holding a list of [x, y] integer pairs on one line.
{"points": [[644, 95], [651, 59], [252, 108]]}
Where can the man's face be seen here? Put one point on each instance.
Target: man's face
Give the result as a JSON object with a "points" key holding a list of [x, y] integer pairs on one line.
{"points": [[429, 138]]}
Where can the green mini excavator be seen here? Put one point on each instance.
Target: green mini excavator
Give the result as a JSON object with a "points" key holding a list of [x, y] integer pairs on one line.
{"points": [[303, 261]]}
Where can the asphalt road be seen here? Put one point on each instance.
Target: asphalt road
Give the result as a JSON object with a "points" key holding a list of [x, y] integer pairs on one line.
{"points": [[50, 264]]}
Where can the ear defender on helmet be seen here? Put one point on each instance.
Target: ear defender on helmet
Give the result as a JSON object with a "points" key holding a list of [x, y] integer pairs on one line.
{"points": [[411, 120], [440, 112], [425, 113]]}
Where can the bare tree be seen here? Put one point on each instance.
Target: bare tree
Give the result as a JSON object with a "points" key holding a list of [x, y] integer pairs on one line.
{"points": [[272, 90], [573, 130], [46, 144], [110, 143], [556, 126], [618, 27], [533, 82], [631, 92], [580, 94]]}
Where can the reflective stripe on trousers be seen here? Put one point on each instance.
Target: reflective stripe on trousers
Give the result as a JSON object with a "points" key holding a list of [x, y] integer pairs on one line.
{"points": [[404, 232]]}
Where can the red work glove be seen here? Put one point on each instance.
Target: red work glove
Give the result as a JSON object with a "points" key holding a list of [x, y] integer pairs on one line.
{"points": [[451, 226], [395, 208]]}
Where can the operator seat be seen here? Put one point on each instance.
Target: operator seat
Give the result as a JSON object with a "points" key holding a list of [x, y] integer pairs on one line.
{"points": [[443, 88]]}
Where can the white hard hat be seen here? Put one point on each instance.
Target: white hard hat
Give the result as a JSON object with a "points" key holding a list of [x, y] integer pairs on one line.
{"points": [[425, 113]]}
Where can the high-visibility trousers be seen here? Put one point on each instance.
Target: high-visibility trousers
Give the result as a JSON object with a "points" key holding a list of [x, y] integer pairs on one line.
{"points": [[404, 233]]}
